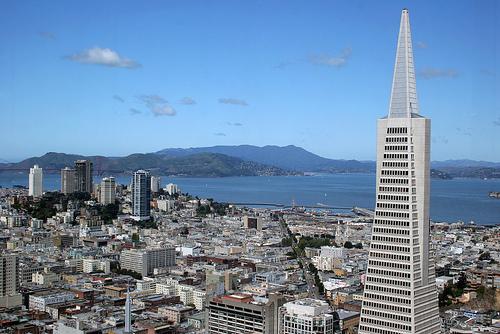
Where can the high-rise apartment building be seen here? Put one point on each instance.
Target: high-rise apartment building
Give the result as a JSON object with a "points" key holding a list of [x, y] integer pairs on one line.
{"points": [[83, 176], [172, 189], [155, 184], [400, 295], [68, 180], [35, 182], [9, 281], [306, 316], [141, 195], [107, 191], [144, 261]]}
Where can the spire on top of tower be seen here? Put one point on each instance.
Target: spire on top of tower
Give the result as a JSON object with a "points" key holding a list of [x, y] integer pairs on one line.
{"points": [[404, 87]]}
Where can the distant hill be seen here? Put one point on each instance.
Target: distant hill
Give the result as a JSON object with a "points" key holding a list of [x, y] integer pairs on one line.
{"points": [[287, 157], [465, 163], [243, 160], [195, 165]]}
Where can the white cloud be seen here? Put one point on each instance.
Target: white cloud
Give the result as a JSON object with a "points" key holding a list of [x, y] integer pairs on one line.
{"points": [[134, 111], [220, 134], [187, 101], [333, 61], [233, 101], [104, 57], [432, 73], [421, 45], [234, 124], [118, 98], [464, 132], [157, 105]]}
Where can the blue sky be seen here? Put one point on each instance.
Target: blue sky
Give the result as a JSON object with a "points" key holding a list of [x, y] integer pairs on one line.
{"points": [[118, 77]]}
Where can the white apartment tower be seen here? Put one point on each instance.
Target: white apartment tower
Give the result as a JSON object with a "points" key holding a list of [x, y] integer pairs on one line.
{"points": [[107, 191], [35, 182], [141, 195], [155, 184], [400, 295]]}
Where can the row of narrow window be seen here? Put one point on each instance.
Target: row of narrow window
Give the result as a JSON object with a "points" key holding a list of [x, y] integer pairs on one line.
{"points": [[398, 223], [389, 299], [389, 316], [393, 181], [389, 307], [376, 330], [401, 198], [396, 147], [388, 273], [395, 172], [394, 189], [396, 139], [395, 265], [392, 214], [393, 206], [395, 325], [391, 239], [397, 130], [395, 155], [390, 231], [390, 256], [390, 248], [395, 164], [387, 281]]}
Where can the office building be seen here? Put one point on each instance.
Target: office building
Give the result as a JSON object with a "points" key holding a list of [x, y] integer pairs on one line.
{"points": [[9, 281], [35, 182], [306, 316], [243, 313], [107, 191], [83, 176], [155, 184], [400, 295], [145, 261], [141, 195], [68, 180]]}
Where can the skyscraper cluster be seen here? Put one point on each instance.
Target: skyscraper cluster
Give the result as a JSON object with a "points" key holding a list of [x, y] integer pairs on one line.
{"points": [[77, 179]]}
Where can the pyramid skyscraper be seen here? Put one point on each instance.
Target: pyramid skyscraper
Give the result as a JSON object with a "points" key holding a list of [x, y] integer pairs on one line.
{"points": [[400, 295]]}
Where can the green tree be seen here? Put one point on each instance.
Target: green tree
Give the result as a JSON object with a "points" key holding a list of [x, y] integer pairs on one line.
{"points": [[135, 237], [348, 245]]}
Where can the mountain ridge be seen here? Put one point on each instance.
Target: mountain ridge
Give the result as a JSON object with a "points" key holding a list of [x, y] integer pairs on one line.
{"points": [[195, 165], [240, 160]]}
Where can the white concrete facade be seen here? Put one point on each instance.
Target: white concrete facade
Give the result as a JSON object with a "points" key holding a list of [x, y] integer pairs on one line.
{"points": [[400, 295], [306, 316], [35, 182], [107, 193]]}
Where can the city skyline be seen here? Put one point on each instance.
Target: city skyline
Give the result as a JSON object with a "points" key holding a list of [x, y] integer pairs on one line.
{"points": [[211, 85]]}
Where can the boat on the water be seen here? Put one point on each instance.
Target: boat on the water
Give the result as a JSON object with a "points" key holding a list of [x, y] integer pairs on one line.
{"points": [[495, 194]]}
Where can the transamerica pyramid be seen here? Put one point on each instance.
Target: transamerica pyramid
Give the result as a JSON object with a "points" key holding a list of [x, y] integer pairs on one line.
{"points": [[400, 295]]}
